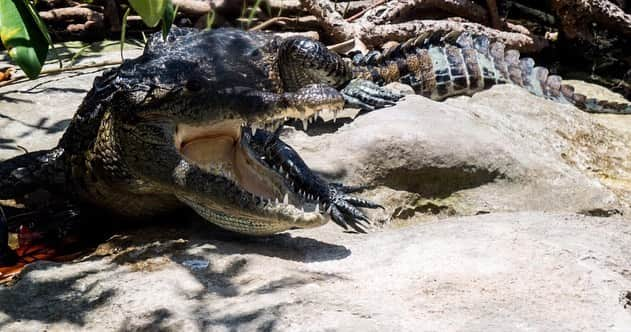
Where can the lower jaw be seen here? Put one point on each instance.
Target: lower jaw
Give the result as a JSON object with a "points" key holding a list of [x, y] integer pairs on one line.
{"points": [[241, 224]]}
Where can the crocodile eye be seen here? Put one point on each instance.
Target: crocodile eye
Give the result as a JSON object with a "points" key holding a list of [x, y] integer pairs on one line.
{"points": [[193, 85]]}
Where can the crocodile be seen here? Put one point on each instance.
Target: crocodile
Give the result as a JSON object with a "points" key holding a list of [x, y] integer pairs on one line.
{"points": [[441, 66], [195, 121]]}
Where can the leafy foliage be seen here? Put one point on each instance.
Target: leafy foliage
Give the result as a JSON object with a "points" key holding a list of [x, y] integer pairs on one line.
{"points": [[24, 34]]}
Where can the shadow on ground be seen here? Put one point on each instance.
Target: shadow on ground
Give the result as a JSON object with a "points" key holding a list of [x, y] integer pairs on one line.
{"points": [[50, 293]]}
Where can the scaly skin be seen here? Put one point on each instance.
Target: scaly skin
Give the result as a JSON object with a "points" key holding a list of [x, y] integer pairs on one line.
{"points": [[463, 65], [155, 133], [178, 125]]}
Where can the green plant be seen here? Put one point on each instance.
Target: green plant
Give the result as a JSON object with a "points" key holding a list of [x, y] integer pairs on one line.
{"points": [[24, 34]]}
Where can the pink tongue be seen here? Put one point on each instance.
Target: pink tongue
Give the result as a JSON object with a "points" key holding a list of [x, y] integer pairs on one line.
{"points": [[249, 178], [221, 151], [210, 152]]}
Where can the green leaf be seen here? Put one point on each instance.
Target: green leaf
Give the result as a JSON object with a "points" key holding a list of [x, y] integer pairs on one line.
{"points": [[24, 35], [168, 18], [151, 11], [124, 31], [210, 20]]}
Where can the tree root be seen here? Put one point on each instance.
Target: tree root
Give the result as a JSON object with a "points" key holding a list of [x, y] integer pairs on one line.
{"points": [[374, 35], [92, 19], [576, 17], [395, 11]]}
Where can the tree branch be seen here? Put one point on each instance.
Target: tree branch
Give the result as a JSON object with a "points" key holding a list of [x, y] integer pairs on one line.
{"points": [[395, 11], [577, 15], [374, 35]]}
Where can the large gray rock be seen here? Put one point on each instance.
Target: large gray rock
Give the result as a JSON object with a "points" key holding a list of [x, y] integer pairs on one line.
{"points": [[499, 152], [497, 272]]}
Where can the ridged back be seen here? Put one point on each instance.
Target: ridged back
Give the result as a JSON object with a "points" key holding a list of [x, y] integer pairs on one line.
{"points": [[458, 64]]}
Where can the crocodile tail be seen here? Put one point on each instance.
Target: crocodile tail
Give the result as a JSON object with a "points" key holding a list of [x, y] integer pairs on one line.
{"points": [[459, 64], [28, 172], [437, 66]]}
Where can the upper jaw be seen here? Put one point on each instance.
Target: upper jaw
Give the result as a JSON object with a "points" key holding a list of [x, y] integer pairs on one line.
{"points": [[263, 191]]}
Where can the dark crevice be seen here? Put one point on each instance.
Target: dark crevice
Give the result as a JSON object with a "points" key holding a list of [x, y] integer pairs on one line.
{"points": [[601, 212], [404, 212], [437, 182]]}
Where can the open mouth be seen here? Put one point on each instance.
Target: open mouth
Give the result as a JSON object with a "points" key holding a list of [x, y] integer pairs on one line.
{"points": [[239, 154]]}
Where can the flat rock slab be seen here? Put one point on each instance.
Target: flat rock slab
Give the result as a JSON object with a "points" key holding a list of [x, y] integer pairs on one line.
{"points": [[34, 114], [496, 272]]}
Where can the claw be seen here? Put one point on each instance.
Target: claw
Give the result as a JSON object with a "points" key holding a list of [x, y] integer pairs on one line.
{"points": [[356, 103], [348, 189], [339, 219], [362, 202], [368, 95], [352, 211]]}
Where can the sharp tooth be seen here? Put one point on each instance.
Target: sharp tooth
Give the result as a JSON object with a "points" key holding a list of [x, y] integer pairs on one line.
{"points": [[286, 199], [302, 208], [286, 118], [305, 124], [317, 208], [276, 200], [255, 127], [334, 115], [329, 209], [286, 175]]}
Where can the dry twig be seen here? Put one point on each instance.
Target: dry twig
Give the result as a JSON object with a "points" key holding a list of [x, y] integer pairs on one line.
{"points": [[53, 71]]}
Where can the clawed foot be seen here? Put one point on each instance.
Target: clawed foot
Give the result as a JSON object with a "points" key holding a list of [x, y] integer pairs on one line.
{"points": [[367, 95], [333, 197], [344, 208]]}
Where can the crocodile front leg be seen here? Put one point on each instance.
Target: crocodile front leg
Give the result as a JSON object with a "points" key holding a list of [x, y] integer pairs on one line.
{"points": [[367, 95], [303, 61], [20, 176], [332, 197], [26, 173]]}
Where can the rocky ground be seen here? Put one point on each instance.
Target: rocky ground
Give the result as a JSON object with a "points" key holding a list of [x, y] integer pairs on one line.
{"points": [[503, 212]]}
